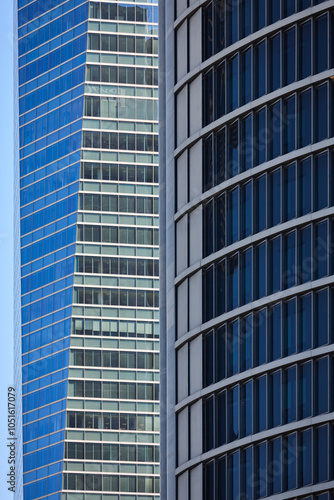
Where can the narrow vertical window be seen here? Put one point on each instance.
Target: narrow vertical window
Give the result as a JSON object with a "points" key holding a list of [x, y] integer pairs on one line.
{"points": [[246, 210], [321, 250], [288, 7], [290, 192], [219, 25], [260, 267], [320, 44], [304, 119], [246, 76], [220, 288], [275, 332], [304, 187], [233, 150], [220, 222], [320, 113], [259, 14], [290, 328], [321, 454], [305, 323], [275, 399], [208, 294], [246, 409], [305, 457], [260, 338], [233, 215], [321, 182], [219, 164], [232, 21], [274, 62], [246, 338], [260, 70], [208, 104], [247, 474], [208, 228], [234, 415], [321, 318], [233, 348], [275, 197], [260, 137], [220, 348], [220, 90], [305, 393], [304, 47], [245, 18], [289, 395], [305, 255], [234, 488], [208, 163], [246, 277], [246, 144], [208, 427], [289, 56], [275, 462], [289, 125], [261, 470], [290, 462], [221, 418], [232, 82], [274, 11], [321, 386], [260, 199], [208, 32], [208, 359]]}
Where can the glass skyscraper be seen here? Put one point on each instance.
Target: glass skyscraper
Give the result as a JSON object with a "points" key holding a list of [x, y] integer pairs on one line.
{"points": [[247, 234], [86, 344]]}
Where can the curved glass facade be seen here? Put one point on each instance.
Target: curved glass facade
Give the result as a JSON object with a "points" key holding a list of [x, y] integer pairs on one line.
{"points": [[249, 270]]}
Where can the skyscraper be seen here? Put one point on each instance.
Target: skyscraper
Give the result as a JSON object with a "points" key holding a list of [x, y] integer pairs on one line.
{"points": [[87, 183], [247, 249]]}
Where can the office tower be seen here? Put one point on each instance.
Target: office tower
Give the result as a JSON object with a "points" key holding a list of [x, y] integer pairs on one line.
{"points": [[247, 249], [87, 88]]}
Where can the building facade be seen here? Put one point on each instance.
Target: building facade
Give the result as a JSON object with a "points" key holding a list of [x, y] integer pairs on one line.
{"points": [[86, 343], [247, 249]]}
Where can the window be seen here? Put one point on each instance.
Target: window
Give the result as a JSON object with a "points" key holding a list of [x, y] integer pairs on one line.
{"points": [[290, 192], [260, 338], [233, 295], [246, 337], [275, 399], [275, 462], [233, 215], [305, 257], [289, 395], [289, 56], [321, 182], [246, 144], [305, 323], [274, 60], [274, 128], [246, 210], [246, 74], [232, 78], [321, 318], [304, 47], [320, 113], [320, 44], [233, 348], [246, 409], [233, 150], [246, 277], [305, 392], [305, 457], [260, 69], [289, 118], [260, 137], [321, 386], [305, 120], [304, 187], [260, 266], [275, 332], [275, 197]]}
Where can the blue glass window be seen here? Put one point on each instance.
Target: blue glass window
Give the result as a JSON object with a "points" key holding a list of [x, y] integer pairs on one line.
{"points": [[219, 25], [304, 56], [208, 302], [260, 137], [289, 56], [220, 90], [246, 276], [232, 83], [321, 386], [290, 328], [234, 414], [259, 70], [306, 457], [220, 156], [275, 395], [234, 215], [260, 338], [321, 250], [208, 109], [260, 201], [246, 338], [305, 120], [208, 177], [208, 228], [305, 394], [246, 143], [220, 364], [305, 323], [321, 182], [220, 222], [290, 192], [220, 288], [259, 14], [305, 257], [207, 31], [246, 210], [321, 44], [274, 62], [208, 359], [290, 462], [234, 476], [246, 473], [289, 275], [304, 187], [233, 348], [275, 197], [233, 149], [321, 318], [288, 7], [276, 465], [260, 267], [289, 116], [261, 470], [232, 22], [221, 418], [274, 11], [275, 332], [320, 113], [246, 76], [246, 409], [289, 395], [321, 459], [245, 18]]}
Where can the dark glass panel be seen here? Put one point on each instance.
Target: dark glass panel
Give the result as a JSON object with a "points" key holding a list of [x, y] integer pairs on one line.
{"points": [[219, 25], [290, 462], [305, 394], [259, 14], [321, 386], [232, 83], [290, 192], [260, 137], [275, 332], [207, 163], [233, 150], [289, 395], [232, 21], [305, 458], [246, 409], [233, 215], [246, 338], [321, 318], [246, 210], [246, 144], [234, 414], [321, 250], [274, 11], [234, 489], [220, 348], [260, 201], [260, 338], [208, 98], [288, 7], [321, 182], [289, 124], [276, 465], [304, 55], [233, 348], [320, 113], [305, 323], [304, 187], [221, 418], [220, 90], [220, 157], [289, 56], [246, 76], [259, 70], [321, 454], [275, 197], [305, 257], [220, 288], [245, 18], [290, 328], [274, 63], [260, 271], [220, 222], [207, 31], [247, 474], [320, 44], [208, 359], [304, 119], [261, 470], [208, 228], [208, 294], [246, 277], [208, 414], [275, 396]]}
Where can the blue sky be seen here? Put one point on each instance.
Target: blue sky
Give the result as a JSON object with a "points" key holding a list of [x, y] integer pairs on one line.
{"points": [[6, 231]]}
